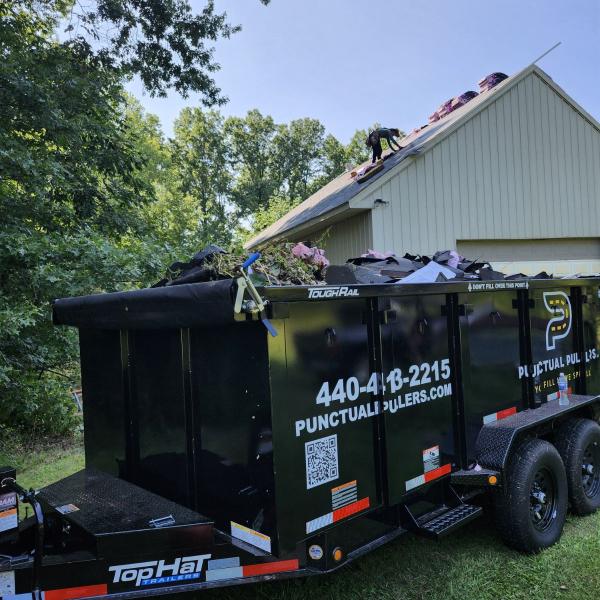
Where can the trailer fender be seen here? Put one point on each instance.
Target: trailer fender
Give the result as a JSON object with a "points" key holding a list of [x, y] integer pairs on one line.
{"points": [[497, 439]]}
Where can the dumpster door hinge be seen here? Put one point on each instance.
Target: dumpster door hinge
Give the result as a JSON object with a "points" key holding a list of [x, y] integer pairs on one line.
{"points": [[278, 310], [464, 310], [387, 316], [530, 303]]}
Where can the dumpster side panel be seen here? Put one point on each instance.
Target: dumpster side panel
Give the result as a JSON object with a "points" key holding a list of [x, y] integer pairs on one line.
{"points": [[160, 415], [232, 416], [489, 334], [591, 338], [553, 342], [103, 385], [324, 397], [419, 429]]}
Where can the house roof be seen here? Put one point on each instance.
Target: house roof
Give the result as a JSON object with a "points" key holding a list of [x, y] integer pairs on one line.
{"points": [[334, 198]]}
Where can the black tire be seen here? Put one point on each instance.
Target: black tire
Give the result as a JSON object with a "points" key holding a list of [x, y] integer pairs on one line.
{"points": [[531, 507], [578, 443]]}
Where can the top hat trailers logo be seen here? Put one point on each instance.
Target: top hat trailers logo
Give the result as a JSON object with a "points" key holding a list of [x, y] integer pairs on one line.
{"points": [[559, 326], [156, 572]]}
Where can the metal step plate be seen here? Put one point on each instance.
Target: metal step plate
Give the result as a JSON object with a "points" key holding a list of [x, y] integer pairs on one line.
{"points": [[449, 520]]}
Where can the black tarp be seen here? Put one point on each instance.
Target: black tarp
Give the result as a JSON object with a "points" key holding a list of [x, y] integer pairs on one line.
{"points": [[187, 305]]}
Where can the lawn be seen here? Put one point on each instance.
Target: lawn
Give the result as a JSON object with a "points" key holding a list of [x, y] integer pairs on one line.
{"points": [[469, 565]]}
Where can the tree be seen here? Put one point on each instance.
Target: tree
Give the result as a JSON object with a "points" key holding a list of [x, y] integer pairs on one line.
{"points": [[251, 149], [164, 42], [357, 151], [201, 165], [276, 208], [297, 152], [87, 182], [333, 161], [69, 192]]}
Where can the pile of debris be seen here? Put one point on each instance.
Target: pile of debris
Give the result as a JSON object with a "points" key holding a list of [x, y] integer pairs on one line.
{"points": [[305, 264], [445, 265], [280, 264]]}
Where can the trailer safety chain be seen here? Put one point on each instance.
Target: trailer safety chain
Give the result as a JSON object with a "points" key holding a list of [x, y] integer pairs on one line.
{"points": [[254, 305], [29, 497]]}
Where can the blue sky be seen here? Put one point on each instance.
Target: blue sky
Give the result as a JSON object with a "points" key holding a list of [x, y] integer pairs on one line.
{"points": [[350, 63]]}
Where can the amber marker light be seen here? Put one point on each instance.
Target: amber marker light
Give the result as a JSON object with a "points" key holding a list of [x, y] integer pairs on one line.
{"points": [[337, 554]]}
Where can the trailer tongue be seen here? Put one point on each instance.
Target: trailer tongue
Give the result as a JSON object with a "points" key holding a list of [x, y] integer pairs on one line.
{"points": [[217, 453]]}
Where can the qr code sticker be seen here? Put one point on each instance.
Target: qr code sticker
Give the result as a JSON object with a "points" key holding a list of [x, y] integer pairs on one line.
{"points": [[321, 461]]}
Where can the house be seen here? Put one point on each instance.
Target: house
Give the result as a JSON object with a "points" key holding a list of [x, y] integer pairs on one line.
{"points": [[513, 177]]}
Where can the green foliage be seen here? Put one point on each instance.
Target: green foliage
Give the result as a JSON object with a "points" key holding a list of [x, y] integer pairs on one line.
{"points": [[250, 143], [166, 43], [357, 151], [70, 192], [202, 177], [92, 196], [297, 149], [41, 408], [277, 266], [274, 210]]}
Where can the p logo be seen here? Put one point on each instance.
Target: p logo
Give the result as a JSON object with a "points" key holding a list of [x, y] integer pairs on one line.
{"points": [[559, 326]]}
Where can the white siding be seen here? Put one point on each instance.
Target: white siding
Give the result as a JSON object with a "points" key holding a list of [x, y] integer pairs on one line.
{"points": [[560, 256], [525, 167], [346, 239]]}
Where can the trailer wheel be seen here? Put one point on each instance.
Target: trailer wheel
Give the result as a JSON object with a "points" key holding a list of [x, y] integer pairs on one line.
{"points": [[578, 442], [531, 507]]}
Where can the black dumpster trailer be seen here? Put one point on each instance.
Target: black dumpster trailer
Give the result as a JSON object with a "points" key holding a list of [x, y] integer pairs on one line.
{"points": [[217, 453]]}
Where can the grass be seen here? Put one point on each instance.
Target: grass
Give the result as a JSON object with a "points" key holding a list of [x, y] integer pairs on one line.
{"points": [[469, 565], [40, 464]]}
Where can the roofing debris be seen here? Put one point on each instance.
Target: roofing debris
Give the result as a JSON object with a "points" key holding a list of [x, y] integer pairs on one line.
{"points": [[280, 264], [376, 267], [306, 264]]}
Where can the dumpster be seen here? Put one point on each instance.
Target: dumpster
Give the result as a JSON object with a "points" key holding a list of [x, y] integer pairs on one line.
{"points": [[237, 452]]}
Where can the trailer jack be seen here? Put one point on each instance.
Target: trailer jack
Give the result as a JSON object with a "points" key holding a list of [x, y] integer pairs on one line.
{"points": [[9, 484]]}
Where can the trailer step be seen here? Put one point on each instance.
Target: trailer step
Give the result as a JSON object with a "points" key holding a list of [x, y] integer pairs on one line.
{"points": [[444, 520]]}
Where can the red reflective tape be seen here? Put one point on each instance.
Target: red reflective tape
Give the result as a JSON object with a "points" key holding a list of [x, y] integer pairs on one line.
{"points": [[350, 509], [507, 412], [85, 591], [273, 567], [439, 472]]}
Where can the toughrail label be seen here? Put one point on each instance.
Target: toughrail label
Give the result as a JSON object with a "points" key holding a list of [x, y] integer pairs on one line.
{"points": [[341, 291]]}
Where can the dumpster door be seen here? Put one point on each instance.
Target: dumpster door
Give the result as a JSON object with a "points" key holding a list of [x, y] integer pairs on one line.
{"points": [[591, 338], [323, 396], [489, 337], [553, 342], [419, 431]]}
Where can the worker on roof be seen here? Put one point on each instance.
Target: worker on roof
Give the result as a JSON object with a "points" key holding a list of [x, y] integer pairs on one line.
{"points": [[374, 141]]}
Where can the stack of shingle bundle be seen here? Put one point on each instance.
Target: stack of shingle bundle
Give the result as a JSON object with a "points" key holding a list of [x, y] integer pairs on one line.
{"points": [[490, 81], [434, 117], [463, 99]]}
